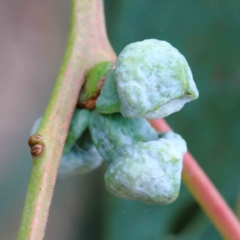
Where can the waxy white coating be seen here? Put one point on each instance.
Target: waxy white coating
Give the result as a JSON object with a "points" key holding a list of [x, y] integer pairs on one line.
{"points": [[108, 101], [112, 132], [153, 80], [150, 171], [80, 161]]}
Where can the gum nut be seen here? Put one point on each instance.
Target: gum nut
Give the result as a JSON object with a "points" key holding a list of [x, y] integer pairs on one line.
{"points": [[177, 142], [153, 80], [111, 132], [81, 159], [149, 172], [108, 101], [78, 125]]}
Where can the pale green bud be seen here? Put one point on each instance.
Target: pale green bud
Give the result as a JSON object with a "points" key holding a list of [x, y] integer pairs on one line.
{"points": [[108, 101], [78, 125], [94, 79], [153, 80], [150, 171], [112, 132], [82, 158]]}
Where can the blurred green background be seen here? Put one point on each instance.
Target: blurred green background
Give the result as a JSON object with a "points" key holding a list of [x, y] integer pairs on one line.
{"points": [[33, 37]]}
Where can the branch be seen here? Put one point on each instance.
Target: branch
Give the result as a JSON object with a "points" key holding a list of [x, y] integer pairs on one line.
{"points": [[87, 45], [205, 193]]}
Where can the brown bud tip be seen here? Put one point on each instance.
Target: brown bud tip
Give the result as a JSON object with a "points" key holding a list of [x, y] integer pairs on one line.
{"points": [[91, 103], [36, 150], [36, 143]]}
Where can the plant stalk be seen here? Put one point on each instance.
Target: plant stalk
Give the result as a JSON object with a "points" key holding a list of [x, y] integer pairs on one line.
{"points": [[87, 45], [205, 193]]}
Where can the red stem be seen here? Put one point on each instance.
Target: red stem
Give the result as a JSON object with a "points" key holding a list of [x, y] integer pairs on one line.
{"points": [[205, 193]]}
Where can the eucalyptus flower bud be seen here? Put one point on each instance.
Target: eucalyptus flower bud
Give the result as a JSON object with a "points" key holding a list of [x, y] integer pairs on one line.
{"points": [[153, 80], [112, 132], [148, 171], [78, 125], [94, 80], [108, 101], [82, 158]]}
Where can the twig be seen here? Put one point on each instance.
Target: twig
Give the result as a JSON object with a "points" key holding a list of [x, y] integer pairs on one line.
{"points": [[205, 193], [87, 45]]}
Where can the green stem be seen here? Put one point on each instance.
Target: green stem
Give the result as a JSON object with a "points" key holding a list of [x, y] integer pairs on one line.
{"points": [[87, 45]]}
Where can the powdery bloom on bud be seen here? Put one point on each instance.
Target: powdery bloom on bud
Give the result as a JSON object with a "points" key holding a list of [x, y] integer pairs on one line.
{"points": [[78, 125], [82, 158], [112, 132], [108, 101], [150, 171], [153, 80]]}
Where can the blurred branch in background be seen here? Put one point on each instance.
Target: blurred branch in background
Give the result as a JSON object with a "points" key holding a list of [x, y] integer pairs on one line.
{"points": [[205, 193]]}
